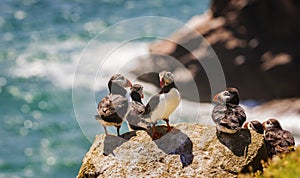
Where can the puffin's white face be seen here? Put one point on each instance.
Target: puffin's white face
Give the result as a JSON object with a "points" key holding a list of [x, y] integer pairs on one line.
{"points": [[254, 125], [272, 123], [166, 78], [268, 124], [139, 89], [122, 81], [247, 125], [250, 126], [223, 97]]}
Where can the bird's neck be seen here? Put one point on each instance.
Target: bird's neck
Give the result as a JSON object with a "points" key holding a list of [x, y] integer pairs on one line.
{"points": [[167, 88], [235, 100], [274, 128], [136, 97]]}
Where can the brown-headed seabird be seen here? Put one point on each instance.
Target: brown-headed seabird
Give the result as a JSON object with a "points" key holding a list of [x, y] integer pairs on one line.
{"points": [[254, 125], [137, 108], [227, 114], [114, 107], [281, 141]]}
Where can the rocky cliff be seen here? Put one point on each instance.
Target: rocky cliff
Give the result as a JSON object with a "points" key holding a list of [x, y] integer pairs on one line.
{"points": [[189, 150], [257, 43]]}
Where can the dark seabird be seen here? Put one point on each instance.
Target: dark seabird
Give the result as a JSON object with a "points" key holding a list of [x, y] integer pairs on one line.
{"points": [[227, 114], [114, 107], [162, 105], [259, 128], [281, 141], [137, 108], [254, 125]]}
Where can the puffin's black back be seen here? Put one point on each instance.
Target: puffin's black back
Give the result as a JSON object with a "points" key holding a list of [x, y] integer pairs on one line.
{"points": [[281, 141], [117, 89], [136, 96], [236, 98], [150, 77]]}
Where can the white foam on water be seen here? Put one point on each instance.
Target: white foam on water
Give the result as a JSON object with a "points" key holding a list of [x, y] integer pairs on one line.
{"points": [[62, 60]]}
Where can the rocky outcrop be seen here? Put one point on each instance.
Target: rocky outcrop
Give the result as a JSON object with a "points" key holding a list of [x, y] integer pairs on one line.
{"points": [[257, 43], [189, 150]]}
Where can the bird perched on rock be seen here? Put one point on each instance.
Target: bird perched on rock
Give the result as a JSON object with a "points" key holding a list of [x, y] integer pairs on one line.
{"points": [[162, 105], [281, 141], [227, 114], [137, 108], [114, 107], [259, 128], [254, 125]]}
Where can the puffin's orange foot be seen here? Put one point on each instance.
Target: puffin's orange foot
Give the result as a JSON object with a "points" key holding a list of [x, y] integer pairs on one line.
{"points": [[169, 129], [155, 135], [168, 125]]}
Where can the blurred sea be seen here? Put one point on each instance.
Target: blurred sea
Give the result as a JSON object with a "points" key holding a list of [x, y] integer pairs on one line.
{"points": [[41, 42]]}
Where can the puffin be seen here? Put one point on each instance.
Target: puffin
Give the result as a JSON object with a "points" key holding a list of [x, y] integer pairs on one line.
{"points": [[137, 108], [227, 114], [254, 125], [281, 141], [259, 128], [114, 107], [163, 104]]}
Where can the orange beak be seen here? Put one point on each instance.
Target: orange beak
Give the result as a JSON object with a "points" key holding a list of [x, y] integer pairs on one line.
{"points": [[217, 98], [246, 125], [264, 125], [129, 84], [161, 83]]}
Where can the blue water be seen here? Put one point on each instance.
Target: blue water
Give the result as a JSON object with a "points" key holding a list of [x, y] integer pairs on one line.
{"points": [[40, 40]]}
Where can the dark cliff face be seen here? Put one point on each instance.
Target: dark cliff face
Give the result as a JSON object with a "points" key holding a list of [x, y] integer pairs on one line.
{"points": [[273, 20], [257, 43]]}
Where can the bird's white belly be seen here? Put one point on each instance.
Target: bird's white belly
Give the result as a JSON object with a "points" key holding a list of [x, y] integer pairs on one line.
{"points": [[168, 103]]}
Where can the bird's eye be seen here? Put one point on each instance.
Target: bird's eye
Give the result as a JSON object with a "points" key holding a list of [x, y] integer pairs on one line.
{"points": [[227, 93]]}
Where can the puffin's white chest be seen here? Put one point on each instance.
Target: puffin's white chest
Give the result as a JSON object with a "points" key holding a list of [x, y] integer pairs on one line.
{"points": [[168, 102]]}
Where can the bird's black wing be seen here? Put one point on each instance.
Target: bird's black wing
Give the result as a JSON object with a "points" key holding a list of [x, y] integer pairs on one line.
{"points": [[120, 103], [152, 104], [289, 138], [237, 114], [218, 113], [105, 107], [137, 107], [150, 77], [281, 141], [134, 118], [113, 108]]}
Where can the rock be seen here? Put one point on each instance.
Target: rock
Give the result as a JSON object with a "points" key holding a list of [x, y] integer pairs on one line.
{"points": [[252, 39], [189, 150]]}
